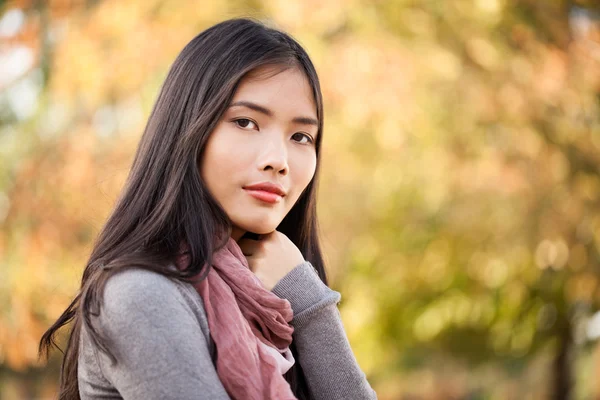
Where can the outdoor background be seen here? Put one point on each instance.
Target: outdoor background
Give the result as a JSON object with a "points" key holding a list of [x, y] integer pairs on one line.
{"points": [[460, 193]]}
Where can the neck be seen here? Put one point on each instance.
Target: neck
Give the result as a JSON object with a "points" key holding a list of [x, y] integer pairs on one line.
{"points": [[237, 233]]}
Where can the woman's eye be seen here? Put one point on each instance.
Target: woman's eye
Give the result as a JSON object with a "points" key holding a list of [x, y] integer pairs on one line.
{"points": [[308, 138], [245, 123]]}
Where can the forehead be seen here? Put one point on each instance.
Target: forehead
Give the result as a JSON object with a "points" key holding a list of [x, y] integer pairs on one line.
{"points": [[277, 87]]}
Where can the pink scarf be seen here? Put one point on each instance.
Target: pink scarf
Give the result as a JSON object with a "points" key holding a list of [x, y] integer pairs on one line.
{"points": [[249, 325]]}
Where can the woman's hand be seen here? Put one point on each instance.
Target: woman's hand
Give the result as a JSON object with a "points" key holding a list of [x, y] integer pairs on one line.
{"points": [[271, 257]]}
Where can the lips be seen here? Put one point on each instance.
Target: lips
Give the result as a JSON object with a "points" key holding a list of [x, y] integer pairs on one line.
{"points": [[266, 191], [267, 187], [265, 196]]}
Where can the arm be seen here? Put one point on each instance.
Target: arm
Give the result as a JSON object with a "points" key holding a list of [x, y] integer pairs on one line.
{"points": [[331, 369], [154, 333]]}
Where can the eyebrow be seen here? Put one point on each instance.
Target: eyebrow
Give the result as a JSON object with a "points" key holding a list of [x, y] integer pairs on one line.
{"points": [[266, 111]]}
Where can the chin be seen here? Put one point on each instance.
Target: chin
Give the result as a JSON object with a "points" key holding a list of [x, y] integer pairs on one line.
{"points": [[259, 227]]}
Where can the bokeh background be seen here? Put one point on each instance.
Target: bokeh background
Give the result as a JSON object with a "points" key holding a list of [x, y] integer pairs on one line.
{"points": [[460, 193]]}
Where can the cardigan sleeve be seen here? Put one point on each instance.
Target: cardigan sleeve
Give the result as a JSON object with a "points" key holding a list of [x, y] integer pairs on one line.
{"points": [[331, 369], [155, 336]]}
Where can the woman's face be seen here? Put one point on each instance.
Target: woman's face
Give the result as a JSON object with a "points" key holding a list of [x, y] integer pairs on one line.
{"points": [[267, 134]]}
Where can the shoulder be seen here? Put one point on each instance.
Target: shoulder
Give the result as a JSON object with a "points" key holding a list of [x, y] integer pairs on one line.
{"points": [[135, 285], [141, 322], [136, 294]]}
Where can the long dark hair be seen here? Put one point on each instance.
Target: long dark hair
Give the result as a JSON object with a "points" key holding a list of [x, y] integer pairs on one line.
{"points": [[165, 201]]}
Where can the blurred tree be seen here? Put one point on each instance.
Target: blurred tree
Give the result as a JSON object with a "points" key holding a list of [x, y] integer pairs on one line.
{"points": [[494, 226]]}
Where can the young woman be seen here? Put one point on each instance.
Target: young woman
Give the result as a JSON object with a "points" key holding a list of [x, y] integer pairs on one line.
{"points": [[207, 281]]}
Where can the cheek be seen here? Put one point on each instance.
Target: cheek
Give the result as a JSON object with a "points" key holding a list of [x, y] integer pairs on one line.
{"points": [[304, 172], [310, 171], [221, 165]]}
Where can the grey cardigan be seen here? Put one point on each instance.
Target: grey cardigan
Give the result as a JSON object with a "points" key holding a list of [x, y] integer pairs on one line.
{"points": [[158, 331]]}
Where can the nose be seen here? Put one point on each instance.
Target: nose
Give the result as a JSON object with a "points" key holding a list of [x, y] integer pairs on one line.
{"points": [[274, 157]]}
